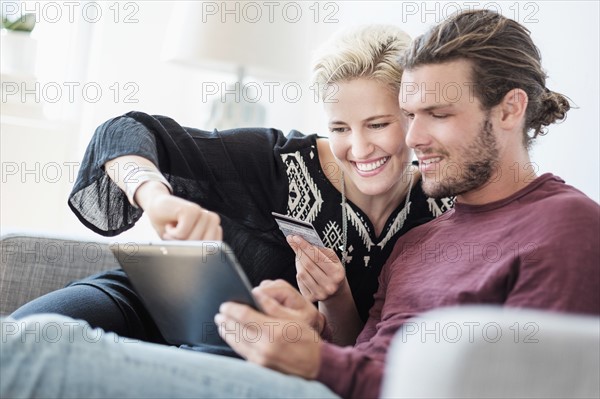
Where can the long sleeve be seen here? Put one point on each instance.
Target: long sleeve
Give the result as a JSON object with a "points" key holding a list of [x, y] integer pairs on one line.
{"points": [[349, 373], [228, 172], [237, 173], [558, 264], [535, 249]]}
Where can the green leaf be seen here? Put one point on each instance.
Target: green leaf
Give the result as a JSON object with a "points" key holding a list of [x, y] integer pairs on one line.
{"points": [[25, 23]]}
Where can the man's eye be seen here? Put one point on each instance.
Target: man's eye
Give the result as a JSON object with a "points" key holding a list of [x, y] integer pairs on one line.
{"points": [[439, 116], [409, 115]]}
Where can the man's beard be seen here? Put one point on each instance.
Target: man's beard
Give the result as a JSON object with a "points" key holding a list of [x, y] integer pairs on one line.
{"points": [[478, 162]]}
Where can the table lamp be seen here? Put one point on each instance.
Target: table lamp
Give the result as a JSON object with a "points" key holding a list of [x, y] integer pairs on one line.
{"points": [[241, 38]]}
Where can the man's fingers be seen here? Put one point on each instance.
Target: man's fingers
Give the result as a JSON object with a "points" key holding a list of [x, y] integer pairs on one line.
{"points": [[282, 292], [230, 331], [271, 306], [279, 290]]}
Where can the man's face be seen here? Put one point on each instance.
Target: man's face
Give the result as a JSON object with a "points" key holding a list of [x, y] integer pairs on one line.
{"points": [[452, 136]]}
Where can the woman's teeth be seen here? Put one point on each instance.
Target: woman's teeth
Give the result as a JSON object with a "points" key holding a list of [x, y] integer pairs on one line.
{"points": [[367, 167]]}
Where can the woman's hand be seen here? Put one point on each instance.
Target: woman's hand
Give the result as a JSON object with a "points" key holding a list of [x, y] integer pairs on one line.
{"points": [[174, 218], [319, 272], [322, 277]]}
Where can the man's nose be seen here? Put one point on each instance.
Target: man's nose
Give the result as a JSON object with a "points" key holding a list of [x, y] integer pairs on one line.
{"points": [[416, 133]]}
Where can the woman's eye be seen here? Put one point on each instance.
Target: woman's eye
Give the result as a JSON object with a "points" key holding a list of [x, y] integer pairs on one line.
{"points": [[378, 125], [338, 129]]}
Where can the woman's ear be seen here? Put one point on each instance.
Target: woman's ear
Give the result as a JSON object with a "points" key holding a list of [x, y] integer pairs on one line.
{"points": [[512, 109]]}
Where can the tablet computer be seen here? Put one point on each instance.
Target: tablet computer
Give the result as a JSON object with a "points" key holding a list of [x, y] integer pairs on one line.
{"points": [[183, 283]]}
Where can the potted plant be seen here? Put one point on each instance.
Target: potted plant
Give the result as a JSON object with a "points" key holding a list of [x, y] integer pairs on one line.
{"points": [[18, 47]]}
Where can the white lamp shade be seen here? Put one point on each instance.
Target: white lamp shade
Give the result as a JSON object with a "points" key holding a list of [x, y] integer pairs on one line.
{"points": [[228, 35]]}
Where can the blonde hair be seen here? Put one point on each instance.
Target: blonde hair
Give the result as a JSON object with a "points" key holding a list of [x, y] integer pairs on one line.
{"points": [[370, 51]]}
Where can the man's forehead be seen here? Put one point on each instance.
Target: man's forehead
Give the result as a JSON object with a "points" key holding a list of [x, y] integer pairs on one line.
{"points": [[434, 85]]}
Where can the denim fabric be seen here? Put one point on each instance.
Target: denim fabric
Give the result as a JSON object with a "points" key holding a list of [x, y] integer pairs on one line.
{"points": [[105, 300], [55, 356]]}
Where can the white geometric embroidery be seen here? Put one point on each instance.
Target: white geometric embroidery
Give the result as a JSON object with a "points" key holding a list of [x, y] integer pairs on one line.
{"points": [[332, 235], [360, 227], [304, 199], [435, 209], [367, 259], [348, 256], [396, 225]]}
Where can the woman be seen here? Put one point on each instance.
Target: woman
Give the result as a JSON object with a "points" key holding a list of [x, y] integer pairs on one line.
{"points": [[357, 189]]}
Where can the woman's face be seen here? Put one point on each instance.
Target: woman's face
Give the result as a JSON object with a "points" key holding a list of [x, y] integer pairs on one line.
{"points": [[367, 135]]}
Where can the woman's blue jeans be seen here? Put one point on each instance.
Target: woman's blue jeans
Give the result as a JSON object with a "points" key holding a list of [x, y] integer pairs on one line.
{"points": [[55, 356]]}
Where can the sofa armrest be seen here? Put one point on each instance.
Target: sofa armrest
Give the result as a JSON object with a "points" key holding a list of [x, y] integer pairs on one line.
{"points": [[34, 264], [491, 352]]}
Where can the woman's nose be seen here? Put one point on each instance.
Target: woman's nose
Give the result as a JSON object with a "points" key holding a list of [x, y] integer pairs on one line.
{"points": [[361, 145]]}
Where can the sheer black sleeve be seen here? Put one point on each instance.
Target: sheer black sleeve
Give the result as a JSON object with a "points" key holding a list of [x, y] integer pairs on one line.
{"points": [[237, 173]]}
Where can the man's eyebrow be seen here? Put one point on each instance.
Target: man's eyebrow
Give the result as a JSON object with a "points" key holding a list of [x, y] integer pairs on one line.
{"points": [[431, 107], [438, 106]]}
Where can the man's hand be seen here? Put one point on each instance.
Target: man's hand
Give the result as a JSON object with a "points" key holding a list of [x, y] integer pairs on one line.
{"points": [[283, 338], [279, 299], [319, 272]]}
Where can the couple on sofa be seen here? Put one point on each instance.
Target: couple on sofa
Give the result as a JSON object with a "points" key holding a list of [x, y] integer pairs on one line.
{"points": [[511, 239]]}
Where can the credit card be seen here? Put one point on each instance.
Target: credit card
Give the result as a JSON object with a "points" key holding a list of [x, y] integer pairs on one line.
{"points": [[291, 226]]}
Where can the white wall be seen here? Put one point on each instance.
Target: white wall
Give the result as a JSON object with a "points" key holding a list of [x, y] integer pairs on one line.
{"points": [[567, 34], [125, 57]]}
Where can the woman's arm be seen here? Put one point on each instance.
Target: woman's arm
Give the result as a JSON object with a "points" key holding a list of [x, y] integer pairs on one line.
{"points": [[171, 217], [342, 316], [236, 173], [321, 277]]}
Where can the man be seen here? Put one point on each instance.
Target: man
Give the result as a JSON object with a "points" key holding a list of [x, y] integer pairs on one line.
{"points": [[514, 239]]}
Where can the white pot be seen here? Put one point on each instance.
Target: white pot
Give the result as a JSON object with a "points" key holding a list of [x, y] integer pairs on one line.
{"points": [[19, 51]]}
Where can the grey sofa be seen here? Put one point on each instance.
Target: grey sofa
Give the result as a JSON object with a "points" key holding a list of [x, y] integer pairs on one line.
{"points": [[474, 352], [33, 264]]}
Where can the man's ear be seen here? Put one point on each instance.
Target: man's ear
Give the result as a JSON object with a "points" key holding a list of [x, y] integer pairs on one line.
{"points": [[512, 109]]}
